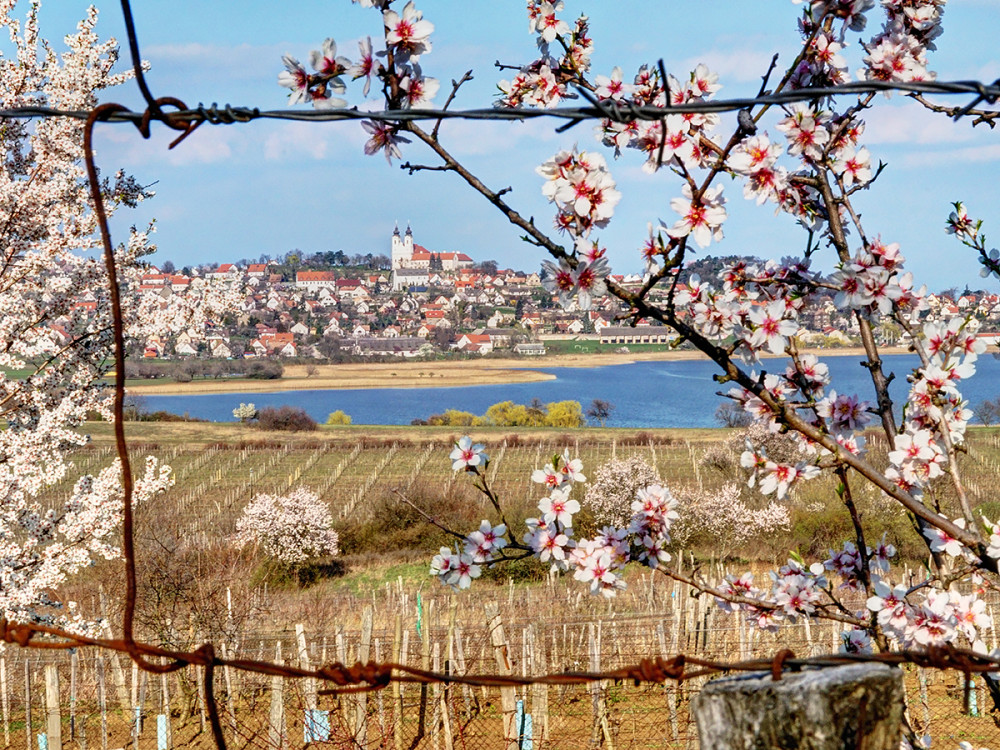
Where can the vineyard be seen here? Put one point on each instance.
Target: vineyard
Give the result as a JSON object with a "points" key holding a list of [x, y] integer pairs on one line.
{"points": [[389, 610]]}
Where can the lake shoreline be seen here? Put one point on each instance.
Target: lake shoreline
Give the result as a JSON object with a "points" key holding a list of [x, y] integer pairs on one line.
{"points": [[437, 374]]}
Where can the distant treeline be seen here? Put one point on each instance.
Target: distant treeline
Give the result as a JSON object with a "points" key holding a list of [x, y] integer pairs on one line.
{"points": [[187, 370]]}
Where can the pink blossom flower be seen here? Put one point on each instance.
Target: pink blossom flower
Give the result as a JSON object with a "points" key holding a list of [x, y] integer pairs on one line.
{"points": [[467, 456], [612, 87], [702, 218], [295, 77], [486, 540], [941, 541], [559, 508], [384, 137], [408, 34], [366, 66], [772, 327], [463, 571], [854, 167], [546, 23], [417, 90], [855, 641], [806, 132]]}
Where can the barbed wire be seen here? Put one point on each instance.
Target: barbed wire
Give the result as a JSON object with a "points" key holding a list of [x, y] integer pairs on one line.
{"points": [[364, 677], [371, 676], [606, 109]]}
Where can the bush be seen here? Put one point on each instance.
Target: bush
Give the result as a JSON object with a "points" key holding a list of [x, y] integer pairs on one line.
{"points": [[339, 418], [263, 369], [293, 528], [722, 520], [286, 419], [612, 489], [452, 418]]}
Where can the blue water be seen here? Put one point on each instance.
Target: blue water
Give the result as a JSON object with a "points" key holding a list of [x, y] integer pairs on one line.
{"points": [[645, 394]]}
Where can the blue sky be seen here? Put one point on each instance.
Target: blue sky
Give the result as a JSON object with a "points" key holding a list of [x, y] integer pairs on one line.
{"points": [[239, 191]]}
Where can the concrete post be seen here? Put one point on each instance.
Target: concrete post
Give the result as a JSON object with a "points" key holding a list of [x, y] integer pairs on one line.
{"points": [[857, 705]]}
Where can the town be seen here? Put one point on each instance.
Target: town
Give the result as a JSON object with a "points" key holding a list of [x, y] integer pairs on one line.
{"points": [[417, 302]]}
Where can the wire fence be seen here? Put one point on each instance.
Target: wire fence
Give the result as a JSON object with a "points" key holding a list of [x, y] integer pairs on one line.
{"points": [[93, 699]]}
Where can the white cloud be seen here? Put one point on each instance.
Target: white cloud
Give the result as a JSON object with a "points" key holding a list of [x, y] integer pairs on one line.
{"points": [[911, 123], [297, 139], [484, 137], [739, 65], [241, 60], [949, 157]]}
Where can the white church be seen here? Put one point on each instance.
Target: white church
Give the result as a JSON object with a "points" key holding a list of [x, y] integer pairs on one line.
{"points": [[411, 263]]}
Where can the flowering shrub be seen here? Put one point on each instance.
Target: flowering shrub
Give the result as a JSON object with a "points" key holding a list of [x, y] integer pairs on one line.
{"points": [[245, 412], [47, 239], [292, 528], [725, 520], [612, 492], [338, 417]]}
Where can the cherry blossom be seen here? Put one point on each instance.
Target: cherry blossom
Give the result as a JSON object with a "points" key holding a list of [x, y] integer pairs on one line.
{"points": [[384, 137], [466, 456], [291, 528], [546, 23], [806, 132], [559, 508], [771, 327], [408, 34], [702, 218], [294, 77], [366, 66], [941, 541], [485, 541]]}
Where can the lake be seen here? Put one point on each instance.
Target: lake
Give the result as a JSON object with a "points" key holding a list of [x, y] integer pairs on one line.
{"points": [[645, 394]]}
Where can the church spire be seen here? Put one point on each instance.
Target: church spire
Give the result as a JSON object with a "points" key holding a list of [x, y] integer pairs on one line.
{"points": [[408, 230], [396, 230]]}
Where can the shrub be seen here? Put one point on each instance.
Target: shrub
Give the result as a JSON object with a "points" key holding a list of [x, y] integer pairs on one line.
{"points": [[612, 489], [285, 418], [245, 412], [293, 528], [339, 418], [453, 418], [723, 520], [263, 369]]}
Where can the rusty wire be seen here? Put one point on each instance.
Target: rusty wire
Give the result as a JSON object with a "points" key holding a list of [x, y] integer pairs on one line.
{"points": [[617, 111], [365, 677]]}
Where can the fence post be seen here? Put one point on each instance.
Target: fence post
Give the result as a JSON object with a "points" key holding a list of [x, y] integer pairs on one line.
{"points": [[276, 722], [508, 699], [53, 722], [6, 701], [819, 709], [361, 700]]}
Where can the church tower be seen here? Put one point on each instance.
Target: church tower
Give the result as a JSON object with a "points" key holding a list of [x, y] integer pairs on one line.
{"points": [[408, 242], [400, 256]]}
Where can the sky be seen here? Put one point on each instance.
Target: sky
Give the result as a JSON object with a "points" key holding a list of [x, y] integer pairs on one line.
{"points": [[239, 191]]}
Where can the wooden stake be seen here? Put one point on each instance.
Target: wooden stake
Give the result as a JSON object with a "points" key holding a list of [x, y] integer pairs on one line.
{"points": [[508, 698], [27, 702], [361, 708], [5, 705], [309, 685], [399, 657], [53, 721], [102, 699], [276, 721]]}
